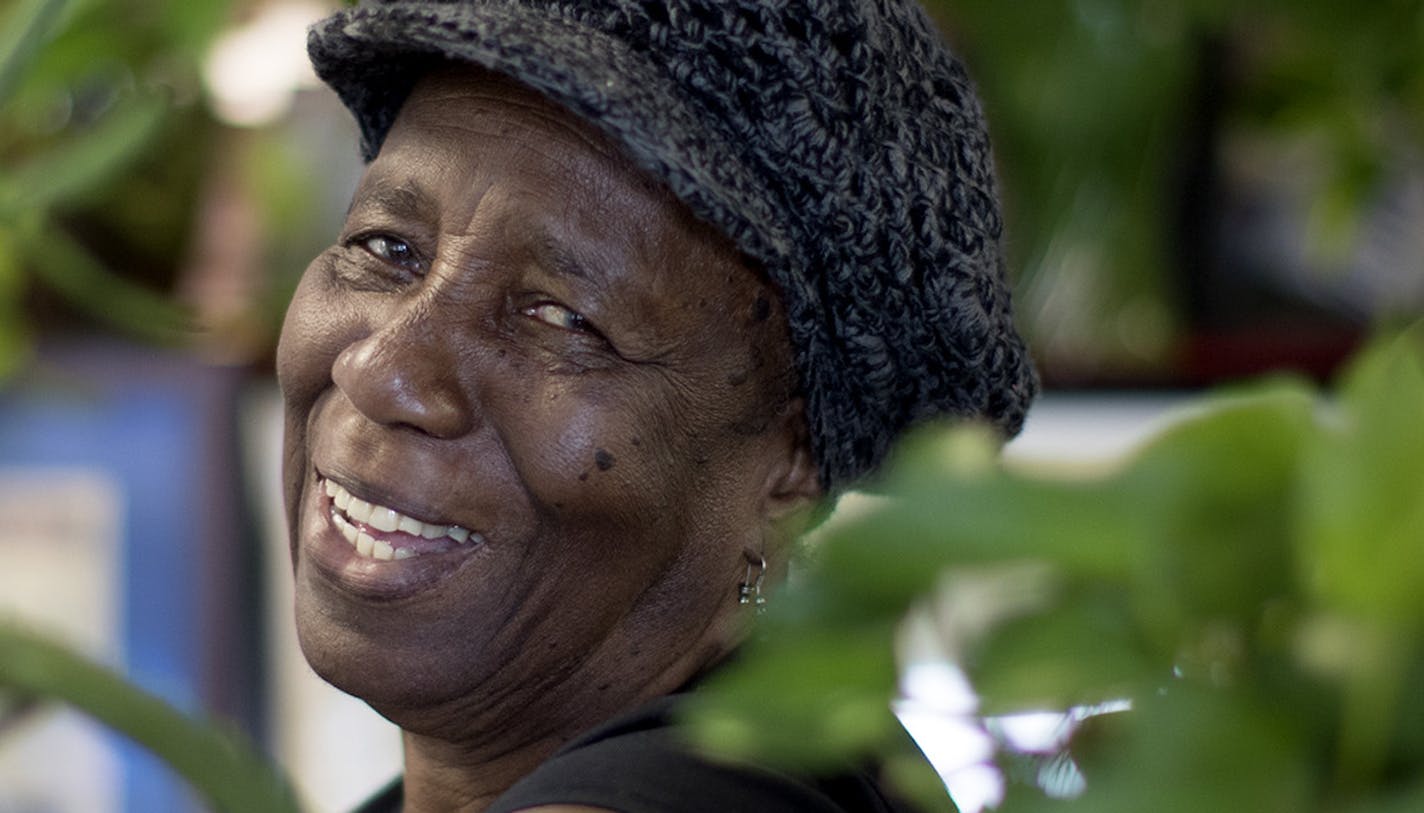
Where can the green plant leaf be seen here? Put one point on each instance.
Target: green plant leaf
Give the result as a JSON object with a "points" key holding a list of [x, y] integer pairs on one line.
{"points": [[821, 700], [217, 763], [1080, 652], [14, 332], [1361, 529], [1362, 504], [1408, 800], [1249, 579], [29, 29], [69, 269], [1214, 495], [943, 509], [1189, 749], [66, 173]]}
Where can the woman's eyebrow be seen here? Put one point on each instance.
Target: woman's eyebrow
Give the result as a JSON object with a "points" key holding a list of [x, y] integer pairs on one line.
{"points": [[557, 256], [406, 200]]}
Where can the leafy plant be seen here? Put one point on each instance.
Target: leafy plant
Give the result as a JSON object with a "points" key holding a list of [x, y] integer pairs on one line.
{"points": [[78, 115], [1248, 581], [218, 763], [1100, 110]]}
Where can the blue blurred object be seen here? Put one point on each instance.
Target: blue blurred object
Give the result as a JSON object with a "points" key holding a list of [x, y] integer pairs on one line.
{"points": [[161, 427]]}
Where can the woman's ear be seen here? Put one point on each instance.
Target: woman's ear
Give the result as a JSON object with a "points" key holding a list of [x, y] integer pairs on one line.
{"points": [[793, 480]]}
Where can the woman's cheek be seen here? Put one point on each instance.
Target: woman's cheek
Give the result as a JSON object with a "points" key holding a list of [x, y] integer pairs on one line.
{"points": [[581, 451], [297, 354], [319, 324]]}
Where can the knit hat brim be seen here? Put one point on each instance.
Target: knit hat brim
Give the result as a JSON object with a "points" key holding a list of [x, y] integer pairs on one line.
{"points": [[840, 147], [372, 57]]}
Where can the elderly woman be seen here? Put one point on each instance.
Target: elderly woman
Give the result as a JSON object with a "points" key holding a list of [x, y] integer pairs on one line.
{"points": [[626, 286]]}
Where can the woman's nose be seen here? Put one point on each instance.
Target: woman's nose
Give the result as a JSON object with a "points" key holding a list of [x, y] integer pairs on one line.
{"points": [[403, 375]]}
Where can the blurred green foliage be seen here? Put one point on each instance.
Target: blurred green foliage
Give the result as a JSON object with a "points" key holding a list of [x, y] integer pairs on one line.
{"points": [[218, 763], [100, 146], [1248, 580], [1099, 108]]}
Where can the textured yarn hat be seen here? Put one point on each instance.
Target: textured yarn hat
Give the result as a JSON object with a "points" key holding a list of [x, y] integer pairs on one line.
{"points": [[836, 142]]}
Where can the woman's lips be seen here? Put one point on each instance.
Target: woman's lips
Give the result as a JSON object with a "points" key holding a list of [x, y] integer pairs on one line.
{"points": [[353, 548], [382, 533]]}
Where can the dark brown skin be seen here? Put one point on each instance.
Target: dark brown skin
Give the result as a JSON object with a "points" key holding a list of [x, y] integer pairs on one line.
{"points": [[518, 333]]}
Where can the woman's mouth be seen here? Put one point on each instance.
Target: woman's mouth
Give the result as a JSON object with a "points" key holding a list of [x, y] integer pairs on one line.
{"points": [[382, 533]]}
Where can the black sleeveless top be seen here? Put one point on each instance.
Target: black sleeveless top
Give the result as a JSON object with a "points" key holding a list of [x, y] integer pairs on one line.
{"points": [[637, 764]]}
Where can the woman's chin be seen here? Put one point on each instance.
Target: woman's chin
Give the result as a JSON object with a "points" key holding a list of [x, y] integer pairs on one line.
{"points": [[373, 671]]}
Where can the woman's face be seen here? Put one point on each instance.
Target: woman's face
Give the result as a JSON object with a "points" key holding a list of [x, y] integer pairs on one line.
{"points": [[559, 393]]}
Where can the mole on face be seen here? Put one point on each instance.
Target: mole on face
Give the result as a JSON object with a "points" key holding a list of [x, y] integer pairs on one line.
{"points": [[603, 460]]}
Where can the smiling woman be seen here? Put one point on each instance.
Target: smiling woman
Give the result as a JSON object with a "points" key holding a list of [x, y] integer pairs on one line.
{"points": [[578, 426], [559, 393]]}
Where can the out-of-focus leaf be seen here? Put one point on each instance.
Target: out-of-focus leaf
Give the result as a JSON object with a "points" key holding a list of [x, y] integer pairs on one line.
{"points": [[29, 27], [65, 266], [959, 517], [1338, 211], [14, 338], [1361, 524], [822, 700], [1216, 492], [905, 547], [1372, 691], [1082, 652], [1240, 441], [1409, 800], [67, 172], [1362, 504], [218, 764], [1188, 750], [1408, 721], [907, 773]]}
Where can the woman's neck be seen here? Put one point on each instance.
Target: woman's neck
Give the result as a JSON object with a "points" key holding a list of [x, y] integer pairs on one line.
{"points": [[443, 777], [462, 757]]}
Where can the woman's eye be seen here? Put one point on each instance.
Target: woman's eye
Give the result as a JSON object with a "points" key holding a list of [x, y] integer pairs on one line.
{"points": [[560, 316], [392, 250]]}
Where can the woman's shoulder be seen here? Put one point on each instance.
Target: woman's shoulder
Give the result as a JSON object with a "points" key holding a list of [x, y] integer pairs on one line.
{"points": [[640, 763], [386, 800]]}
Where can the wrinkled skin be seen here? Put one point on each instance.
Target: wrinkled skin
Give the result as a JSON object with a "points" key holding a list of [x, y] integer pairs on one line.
{"points": [[518, 333]]}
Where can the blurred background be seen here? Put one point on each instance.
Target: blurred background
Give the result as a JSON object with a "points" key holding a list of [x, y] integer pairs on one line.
{"points": [[1196, 191]]}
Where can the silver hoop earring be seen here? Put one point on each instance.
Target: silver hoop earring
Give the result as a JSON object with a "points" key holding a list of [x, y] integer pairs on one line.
{"points": [[749, 591]]}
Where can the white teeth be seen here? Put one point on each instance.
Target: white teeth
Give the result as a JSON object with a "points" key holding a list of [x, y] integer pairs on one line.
{"points": [[384, 519], [347, 529], [351, 511], [359, 510]]}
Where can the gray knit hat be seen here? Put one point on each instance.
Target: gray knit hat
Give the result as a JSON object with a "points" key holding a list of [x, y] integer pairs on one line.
{"points": [[836, 142]]}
